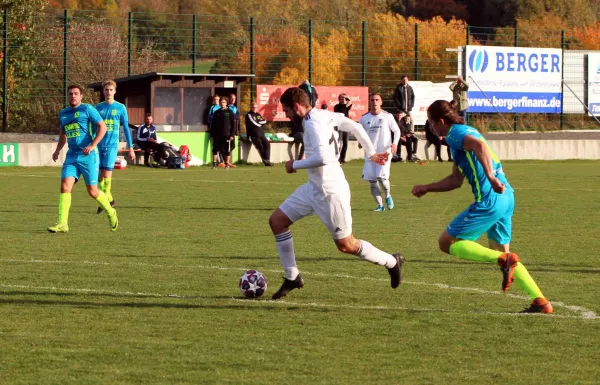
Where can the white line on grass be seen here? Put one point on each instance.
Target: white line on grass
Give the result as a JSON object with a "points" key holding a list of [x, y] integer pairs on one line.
{"points": [[583, 312]]}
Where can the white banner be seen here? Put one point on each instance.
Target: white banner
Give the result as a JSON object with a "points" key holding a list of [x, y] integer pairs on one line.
{"points": [[594, 83], [513, 79], [425, 94]]}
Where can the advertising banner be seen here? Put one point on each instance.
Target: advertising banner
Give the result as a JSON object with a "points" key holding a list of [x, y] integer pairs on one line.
{"points": [[270, 108], [514, 80], [425, 94], [594, 84], [9, 154]]}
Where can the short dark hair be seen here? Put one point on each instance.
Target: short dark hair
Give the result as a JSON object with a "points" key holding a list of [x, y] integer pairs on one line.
{"points": [[376, 94], [294, 95], [72, 86], [224, 98], [148, 115], [404, 76]]}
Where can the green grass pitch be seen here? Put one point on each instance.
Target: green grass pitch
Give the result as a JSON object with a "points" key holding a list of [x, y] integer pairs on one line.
{"points": [[157, 302]]}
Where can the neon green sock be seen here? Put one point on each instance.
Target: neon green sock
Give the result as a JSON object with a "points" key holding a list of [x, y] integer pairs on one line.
{"points": [[64, 205], [526, 282], [101, 185], [473, 251], [104, 202], [107, 186]]}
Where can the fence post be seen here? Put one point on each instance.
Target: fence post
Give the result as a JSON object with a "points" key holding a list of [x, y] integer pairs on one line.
{"points": [[562, 76], [416, 51], [516, 44], [5, 73], [194, 42], [252, 90], [364, 54], [66, 55], [129, 41], [468, 39], [310, 48]]}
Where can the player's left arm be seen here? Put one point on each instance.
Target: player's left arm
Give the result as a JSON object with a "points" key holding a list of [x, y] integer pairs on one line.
{"points": [[317, 159], [482, 153], [96, 120], [348, 125], [396, 131], [127, 132]]}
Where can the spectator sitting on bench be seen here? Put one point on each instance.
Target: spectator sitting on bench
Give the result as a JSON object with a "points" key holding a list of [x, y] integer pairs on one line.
{"points": [[146, 139]]}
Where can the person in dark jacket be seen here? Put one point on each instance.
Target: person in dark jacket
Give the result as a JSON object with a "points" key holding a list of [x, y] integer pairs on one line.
{"points": [[147, 140], [343, 107], [404, 99], [254, 130], [223, 132]]}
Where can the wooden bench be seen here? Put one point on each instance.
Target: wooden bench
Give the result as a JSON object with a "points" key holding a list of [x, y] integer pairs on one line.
{"points": [[139, 154]]}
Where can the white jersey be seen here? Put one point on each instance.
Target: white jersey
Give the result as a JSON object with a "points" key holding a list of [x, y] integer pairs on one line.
{"points": [[379, 128], [322, 144]]}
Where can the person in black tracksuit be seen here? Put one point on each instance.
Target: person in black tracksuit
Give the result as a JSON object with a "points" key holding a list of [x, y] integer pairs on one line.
{"points": [[254, 130], [147, 140], [343, 107], [437, 142], [223, 132]]}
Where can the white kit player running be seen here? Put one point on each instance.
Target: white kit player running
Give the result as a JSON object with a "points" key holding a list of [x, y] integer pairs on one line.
{"points": [[380, 125], [327, 193]]}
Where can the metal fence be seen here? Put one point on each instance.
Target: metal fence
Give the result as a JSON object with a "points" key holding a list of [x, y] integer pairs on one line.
{"points": [[57, 48]]}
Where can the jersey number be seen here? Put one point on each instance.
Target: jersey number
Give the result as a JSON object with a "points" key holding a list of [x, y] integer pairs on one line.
{"points": [[336, 143]]}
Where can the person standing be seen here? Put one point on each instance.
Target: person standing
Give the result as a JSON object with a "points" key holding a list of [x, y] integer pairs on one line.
{"points": [[343, 107], [381, 126], [82, 127], [459, 94], [494, 205], [223, 133], [254, 130], [327, 192], [404, 100], [115, 116]]}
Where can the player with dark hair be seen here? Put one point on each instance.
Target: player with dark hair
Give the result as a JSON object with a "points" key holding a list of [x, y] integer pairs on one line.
{"points": [[492, 211], [327, 193], [83, 128], [223, 132]]}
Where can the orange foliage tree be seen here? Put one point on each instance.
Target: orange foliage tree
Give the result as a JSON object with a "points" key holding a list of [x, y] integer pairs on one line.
{"points": [[589, 36]]}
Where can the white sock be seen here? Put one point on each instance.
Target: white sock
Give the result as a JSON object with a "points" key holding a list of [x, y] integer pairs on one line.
{"points": [[376, 192], [285, 248], [385, 186], [372, 254]]}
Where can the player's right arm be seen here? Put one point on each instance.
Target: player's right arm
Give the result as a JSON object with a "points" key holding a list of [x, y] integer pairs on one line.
{"points": [[62, 140], [449, 183]]}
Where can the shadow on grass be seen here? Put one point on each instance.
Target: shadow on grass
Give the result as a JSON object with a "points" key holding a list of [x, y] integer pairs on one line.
{"points": [[143, 305]]}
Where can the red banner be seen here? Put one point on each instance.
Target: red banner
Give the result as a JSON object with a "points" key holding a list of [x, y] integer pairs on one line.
{"points": [[270, 108]]}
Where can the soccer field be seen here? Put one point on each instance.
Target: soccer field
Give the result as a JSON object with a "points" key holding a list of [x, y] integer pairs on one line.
{"points": [[157, 302]]}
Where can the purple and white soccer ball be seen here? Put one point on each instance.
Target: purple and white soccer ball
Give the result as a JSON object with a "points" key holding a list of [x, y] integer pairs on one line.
{"points": [[253, 284]]}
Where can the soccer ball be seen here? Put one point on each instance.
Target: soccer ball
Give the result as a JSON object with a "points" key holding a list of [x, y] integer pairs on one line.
{"points": [[253, 284]]}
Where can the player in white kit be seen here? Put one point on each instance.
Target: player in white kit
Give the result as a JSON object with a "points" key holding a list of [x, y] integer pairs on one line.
{"points": [[380, 125], [327, 193]]}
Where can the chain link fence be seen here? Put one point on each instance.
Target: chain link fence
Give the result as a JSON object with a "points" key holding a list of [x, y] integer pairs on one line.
{"points": [[42, 56]]}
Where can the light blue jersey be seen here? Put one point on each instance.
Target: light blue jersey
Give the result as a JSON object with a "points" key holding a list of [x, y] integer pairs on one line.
{"points": [[469, 165], [79, 125], [491, 212], [115, 116]]}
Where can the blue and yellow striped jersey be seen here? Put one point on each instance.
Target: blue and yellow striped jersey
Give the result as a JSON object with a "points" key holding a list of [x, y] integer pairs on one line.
{"points": [[469, 165], [115, 116], [79, 124]]}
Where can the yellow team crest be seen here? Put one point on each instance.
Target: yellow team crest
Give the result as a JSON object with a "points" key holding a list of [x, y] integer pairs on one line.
{"points": [[76, 114], [114, 112]]}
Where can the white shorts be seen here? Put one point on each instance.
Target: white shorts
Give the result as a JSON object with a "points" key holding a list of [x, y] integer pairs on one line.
{"points": [[372, 170], [334, 210]]}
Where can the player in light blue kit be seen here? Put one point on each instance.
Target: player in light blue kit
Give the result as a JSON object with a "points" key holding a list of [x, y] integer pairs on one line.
{"points": [[492, 210], [115, 116], [82, 128]]}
